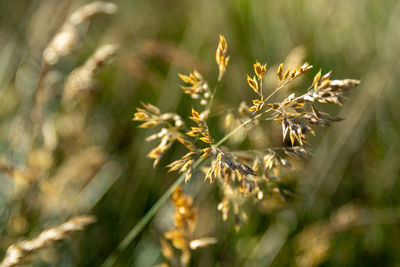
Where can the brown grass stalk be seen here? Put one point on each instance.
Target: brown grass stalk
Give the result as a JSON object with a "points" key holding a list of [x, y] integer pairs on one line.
{"points": [[19, 252]]}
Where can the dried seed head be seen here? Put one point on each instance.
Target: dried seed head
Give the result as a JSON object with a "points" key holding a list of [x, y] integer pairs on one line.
{"points": [[167, 136], [185, 78], [344, 84], [279, 73], [316, 79], [238, 179], [185, 221], [260, 70], [83, 78], [224, 166], [17, 254], [88, 11], [64, 43], [206, 152], [152, 116], [253, 84], [287, 74], [326, 76], [220, 56], [189, 145], [304, 68], [291, 74], [201, 132], [195, 116], [181, 235], [67, 40]]}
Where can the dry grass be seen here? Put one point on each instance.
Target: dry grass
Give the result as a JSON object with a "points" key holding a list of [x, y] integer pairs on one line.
{"points": [[242, 149], [19, 253], [59, 185], [232, 169]]}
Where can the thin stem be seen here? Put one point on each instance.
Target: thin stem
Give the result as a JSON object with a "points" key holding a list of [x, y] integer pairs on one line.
{"points": [[145, 219], [161, 201], [232, 132], [277, 89], [209, 105], [267, 148], [224, 111], [226, 137]]}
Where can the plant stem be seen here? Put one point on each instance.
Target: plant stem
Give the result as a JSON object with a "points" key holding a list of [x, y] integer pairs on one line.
{"points": [[161, 201], [226, 137], [278, 88], [145, 220], [214, 92]]}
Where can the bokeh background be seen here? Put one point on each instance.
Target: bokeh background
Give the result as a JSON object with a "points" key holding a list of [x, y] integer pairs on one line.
{"points": [[91, 158]]}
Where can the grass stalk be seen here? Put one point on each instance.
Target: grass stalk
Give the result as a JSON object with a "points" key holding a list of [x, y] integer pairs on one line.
{"points": [[161, 201]]}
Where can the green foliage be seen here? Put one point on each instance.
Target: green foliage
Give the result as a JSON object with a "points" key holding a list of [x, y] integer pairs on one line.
{"points": [[63, 158]]}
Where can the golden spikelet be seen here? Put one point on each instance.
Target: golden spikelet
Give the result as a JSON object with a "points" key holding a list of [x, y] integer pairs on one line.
{"points": [[220, 57], [253, 84], [260, 70], [185, 219], [201, 132], [279, 72]]}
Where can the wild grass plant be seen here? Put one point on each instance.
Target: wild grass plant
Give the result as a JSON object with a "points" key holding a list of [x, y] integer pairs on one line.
{"points": [[246, 174], [240, 168], [59, 189]]}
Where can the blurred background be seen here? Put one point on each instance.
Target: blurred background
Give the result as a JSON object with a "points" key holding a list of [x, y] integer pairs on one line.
{"points": [[61, 157]]}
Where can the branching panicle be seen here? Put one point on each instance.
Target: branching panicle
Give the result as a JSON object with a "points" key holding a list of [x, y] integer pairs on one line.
{"points": [[198, 88], [202, 131], [254, 173]]}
